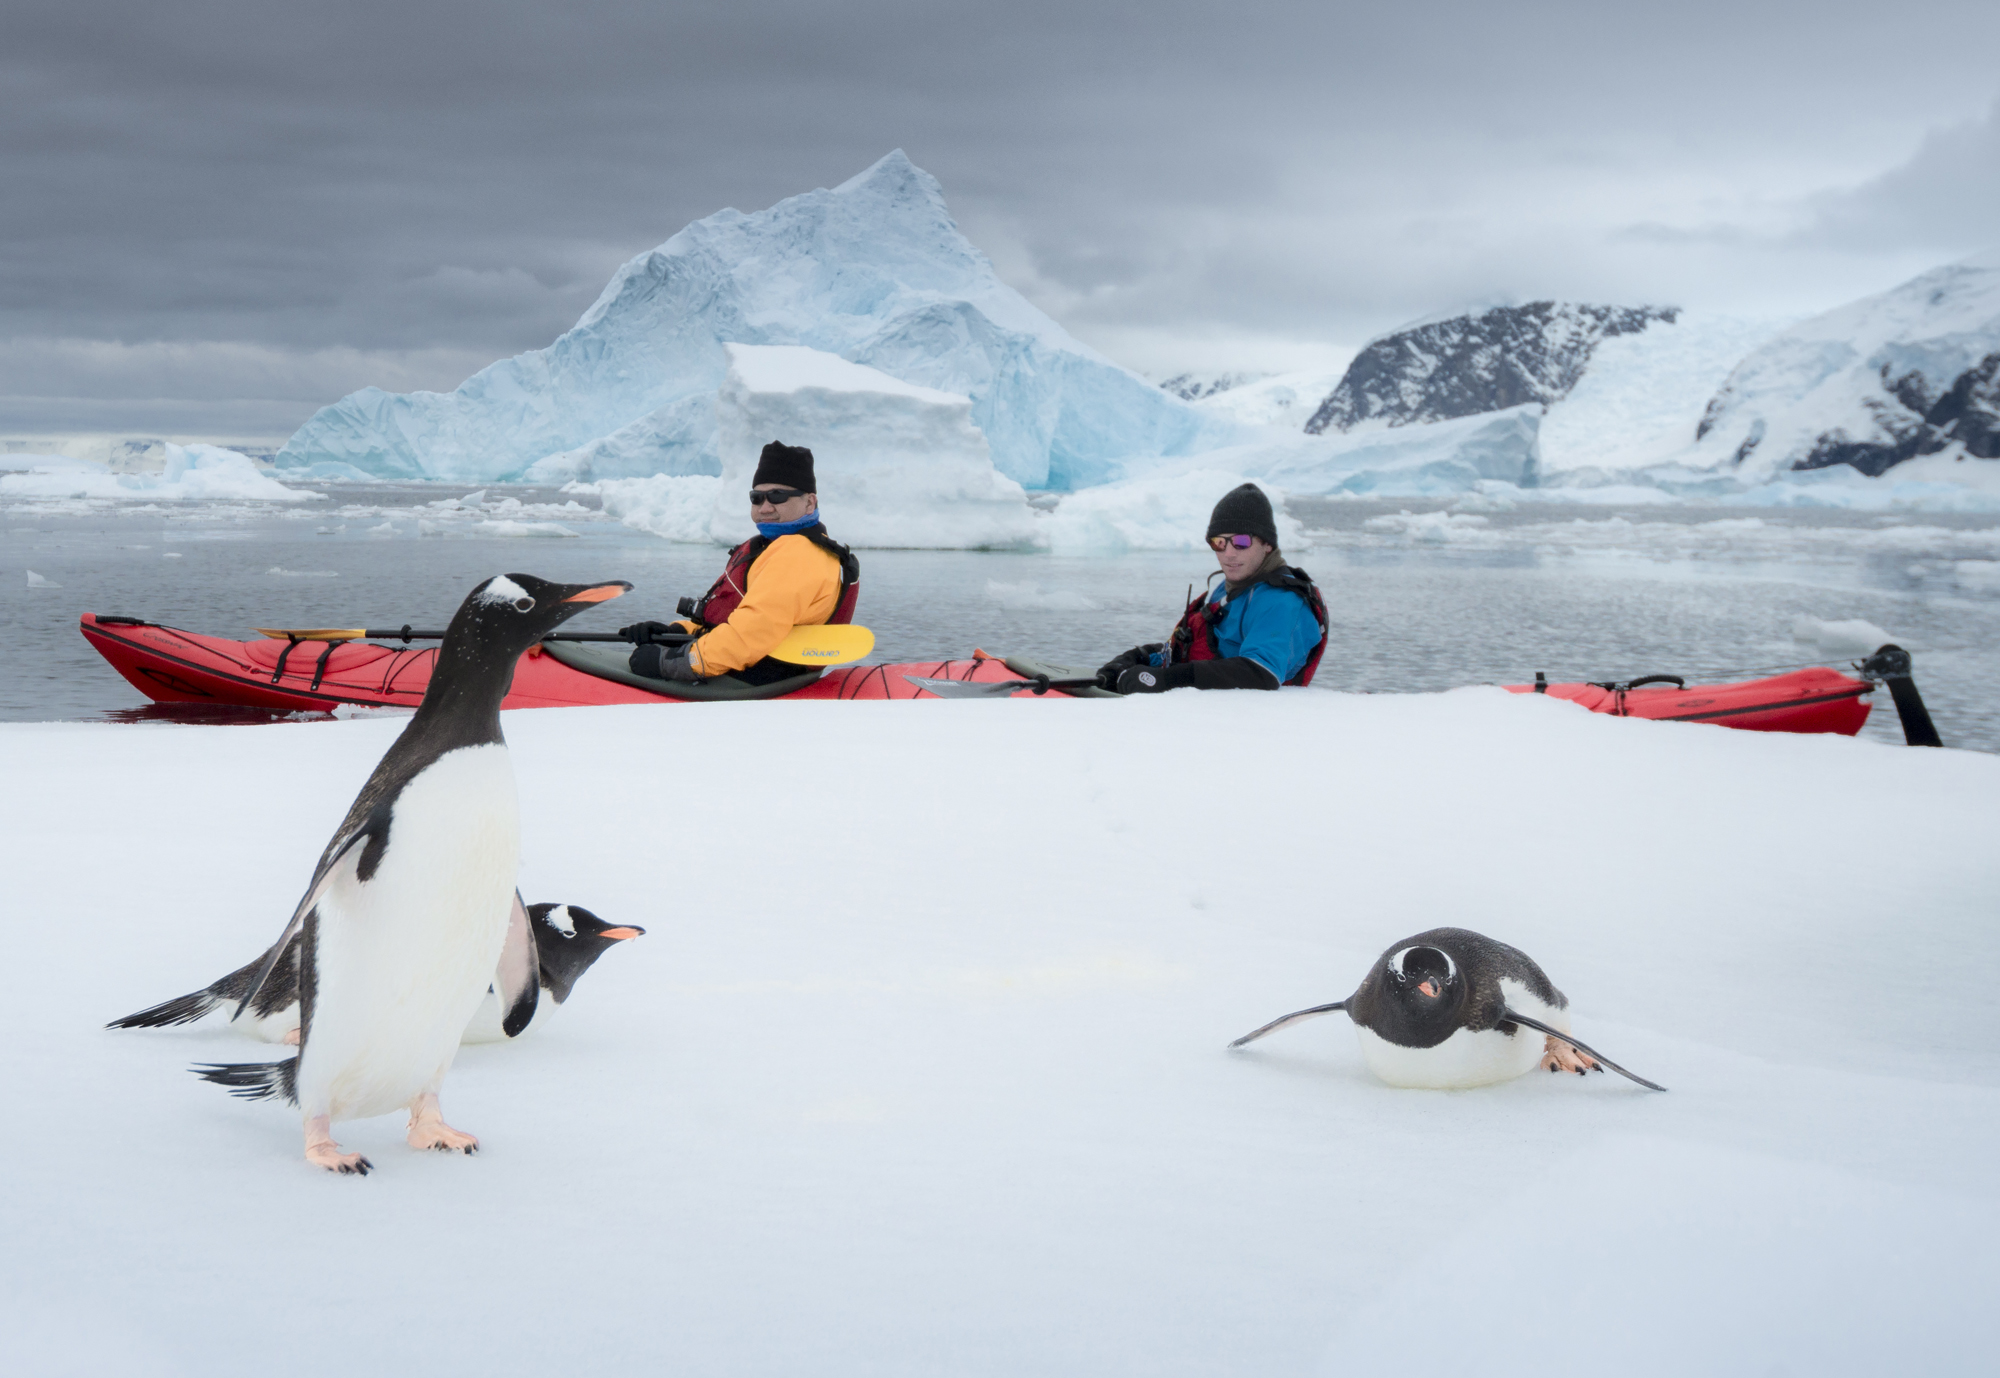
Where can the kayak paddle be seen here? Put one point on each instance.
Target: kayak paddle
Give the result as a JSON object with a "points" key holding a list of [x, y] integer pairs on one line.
{"points": [[995, 688], [828, 645]]}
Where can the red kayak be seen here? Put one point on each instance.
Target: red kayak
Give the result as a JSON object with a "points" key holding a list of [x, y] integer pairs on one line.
{"points": [[1814, 700], [168, 665], [172, 666]]}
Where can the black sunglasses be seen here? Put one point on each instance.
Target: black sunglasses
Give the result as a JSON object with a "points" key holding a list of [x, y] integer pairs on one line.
{"points": [[774, 496], [1241, 542]]}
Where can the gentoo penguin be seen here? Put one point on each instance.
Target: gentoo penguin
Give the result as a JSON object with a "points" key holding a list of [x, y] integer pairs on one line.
{"points": [[568, 938], [410, 915], [1443, 1010]]}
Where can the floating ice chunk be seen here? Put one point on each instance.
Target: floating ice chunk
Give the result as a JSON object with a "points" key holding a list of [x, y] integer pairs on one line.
{"points": [[428, 528], [1431, 528], [1029, 598], [36, 581], [1853, 637], [514, 528], [1978, 573], [170, 555], [284, 573], [385, 529]]}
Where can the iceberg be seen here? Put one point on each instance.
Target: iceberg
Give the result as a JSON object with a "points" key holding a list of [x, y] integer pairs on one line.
{"points": [[898, 465], [874, 271]]}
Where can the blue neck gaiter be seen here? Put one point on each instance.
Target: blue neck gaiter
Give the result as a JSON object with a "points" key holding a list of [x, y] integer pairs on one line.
{"points": [[776, 529]]}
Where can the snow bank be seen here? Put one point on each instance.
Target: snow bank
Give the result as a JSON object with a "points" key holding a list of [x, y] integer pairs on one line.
{"points": [[1165, 512], [875, 271], [1433, 459], [969, 1110], [193, 473]]}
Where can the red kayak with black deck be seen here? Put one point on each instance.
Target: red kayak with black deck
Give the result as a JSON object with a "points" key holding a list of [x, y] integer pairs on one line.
{"points": [[172, 666]]}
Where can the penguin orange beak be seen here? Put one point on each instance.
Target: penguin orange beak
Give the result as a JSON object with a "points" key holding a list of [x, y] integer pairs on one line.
{"points": [[1428, 988], [603, 593], [620, 934]]}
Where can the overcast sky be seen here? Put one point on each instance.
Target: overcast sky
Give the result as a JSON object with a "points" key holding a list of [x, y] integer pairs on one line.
{"points": [[215, 217]]}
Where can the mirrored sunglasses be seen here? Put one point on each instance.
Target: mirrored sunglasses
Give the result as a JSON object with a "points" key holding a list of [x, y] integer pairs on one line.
{"points": [[774, 496], [1240, 541]]}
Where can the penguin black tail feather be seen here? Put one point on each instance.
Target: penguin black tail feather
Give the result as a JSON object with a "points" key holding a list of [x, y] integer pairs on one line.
{"points": [[182, 1009], [254, 1080]]}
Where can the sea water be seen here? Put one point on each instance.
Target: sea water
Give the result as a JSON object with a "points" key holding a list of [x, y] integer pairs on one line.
{"points": [[1422, 596]]}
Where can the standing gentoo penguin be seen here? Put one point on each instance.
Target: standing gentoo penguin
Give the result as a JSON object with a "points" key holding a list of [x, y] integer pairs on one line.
{"points": [[568, 938], [1441, 1010], [411, 913]]}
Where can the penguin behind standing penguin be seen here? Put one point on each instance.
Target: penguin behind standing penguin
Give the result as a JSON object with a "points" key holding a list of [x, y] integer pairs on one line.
{"points": [[410, 915], [1446, 1009], [568, 939]]}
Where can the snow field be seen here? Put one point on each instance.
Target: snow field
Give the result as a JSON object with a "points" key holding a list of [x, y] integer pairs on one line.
{"points": [[920, 1067]]}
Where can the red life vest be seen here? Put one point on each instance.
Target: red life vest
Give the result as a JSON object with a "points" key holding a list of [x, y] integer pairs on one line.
{"points": [[712, 609], [1193, 636]]}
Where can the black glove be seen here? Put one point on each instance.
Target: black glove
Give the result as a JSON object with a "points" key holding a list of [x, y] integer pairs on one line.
{"points": [[663, 662], [1144, 679], [644, 632], [1107, 674]]}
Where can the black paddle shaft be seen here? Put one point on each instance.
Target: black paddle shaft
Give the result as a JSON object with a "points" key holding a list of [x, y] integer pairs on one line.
{"points": [[406, 634]]}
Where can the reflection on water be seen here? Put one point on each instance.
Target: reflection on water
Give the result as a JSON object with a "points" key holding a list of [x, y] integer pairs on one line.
{"points": [[1421, 599]]}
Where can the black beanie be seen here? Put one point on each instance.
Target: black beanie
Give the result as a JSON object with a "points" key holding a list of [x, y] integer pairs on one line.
{"points": [[1245, 510], [792, 467]]}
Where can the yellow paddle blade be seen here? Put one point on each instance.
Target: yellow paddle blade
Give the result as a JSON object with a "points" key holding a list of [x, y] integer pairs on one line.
{"points": [[835, 645], [313, 633]]}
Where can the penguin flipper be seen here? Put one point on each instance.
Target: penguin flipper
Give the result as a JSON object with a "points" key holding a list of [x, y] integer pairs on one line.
{"points": [[1508, 1016], [182, 1009], [518, 981], [254, 1080], [1296, 1017], [344, 861]]}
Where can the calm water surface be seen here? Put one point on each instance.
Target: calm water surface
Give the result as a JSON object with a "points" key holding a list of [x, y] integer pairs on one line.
{"points": [[1421, 597]]}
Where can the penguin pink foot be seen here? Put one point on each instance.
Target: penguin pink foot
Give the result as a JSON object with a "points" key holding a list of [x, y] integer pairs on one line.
{"points": [[292, 1037], [428, 1129], [322, 1151], [1559, 1056]]}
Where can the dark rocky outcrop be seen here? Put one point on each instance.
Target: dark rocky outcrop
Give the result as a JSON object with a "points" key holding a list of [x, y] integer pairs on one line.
{"points": [[1916, 423], [1482, 362]]}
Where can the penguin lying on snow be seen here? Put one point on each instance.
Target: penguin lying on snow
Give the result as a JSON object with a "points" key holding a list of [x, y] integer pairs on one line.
{"points": [[411, 915], [568, 939], [1443, 1010]]}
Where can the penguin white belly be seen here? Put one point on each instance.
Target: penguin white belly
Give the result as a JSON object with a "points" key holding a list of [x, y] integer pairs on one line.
{"points": [[403, 960], [1467, 1058]]}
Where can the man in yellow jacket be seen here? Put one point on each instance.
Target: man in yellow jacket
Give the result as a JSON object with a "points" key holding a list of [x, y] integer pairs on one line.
{"points": [[790, 574]]}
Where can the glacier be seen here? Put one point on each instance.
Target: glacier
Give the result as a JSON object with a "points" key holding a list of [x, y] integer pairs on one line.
{"points": [[874, 271]]}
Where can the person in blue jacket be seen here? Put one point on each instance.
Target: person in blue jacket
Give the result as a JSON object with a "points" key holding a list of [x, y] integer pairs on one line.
{"points": [[1263, 627]]}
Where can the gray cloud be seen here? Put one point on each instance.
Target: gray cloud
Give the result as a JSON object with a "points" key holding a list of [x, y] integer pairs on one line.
{"points": [[303, 198]]}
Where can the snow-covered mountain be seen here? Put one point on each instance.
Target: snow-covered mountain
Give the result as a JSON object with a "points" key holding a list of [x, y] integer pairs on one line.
{"points": [[1485, 361], [1910, 372], [874, 271]]}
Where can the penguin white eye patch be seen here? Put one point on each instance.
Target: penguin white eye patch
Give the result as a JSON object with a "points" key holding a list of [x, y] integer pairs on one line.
{"points": [[501, 589], [1450, 967]]}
